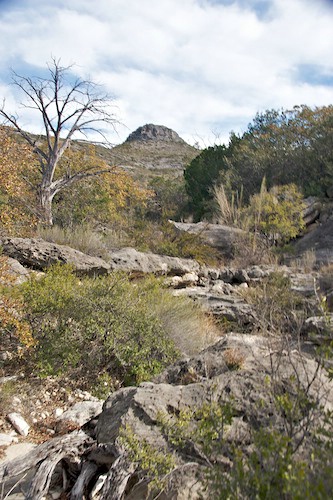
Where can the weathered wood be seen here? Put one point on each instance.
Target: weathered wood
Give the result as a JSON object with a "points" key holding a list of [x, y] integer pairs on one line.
{"points": [[42, 479], [104, 453], [44, 458], [88, 471], [117, 479]]}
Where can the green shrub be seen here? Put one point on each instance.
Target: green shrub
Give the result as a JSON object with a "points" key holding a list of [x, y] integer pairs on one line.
{"points": [[154, 464], [276, 214], [271, 467], [93, 326], [107, 330]]}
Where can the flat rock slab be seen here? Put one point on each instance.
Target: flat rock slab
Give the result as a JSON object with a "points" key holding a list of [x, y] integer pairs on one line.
{"points": [[81, 412], [40, 254], [17, 450], [130, 260], [231, 307]]}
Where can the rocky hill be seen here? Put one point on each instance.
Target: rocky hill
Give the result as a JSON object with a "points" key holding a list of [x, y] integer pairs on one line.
{"points": [[157, 133], [151, 150]]}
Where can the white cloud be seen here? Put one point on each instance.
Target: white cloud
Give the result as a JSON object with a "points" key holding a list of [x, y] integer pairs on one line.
{"points": [[195, 65]]}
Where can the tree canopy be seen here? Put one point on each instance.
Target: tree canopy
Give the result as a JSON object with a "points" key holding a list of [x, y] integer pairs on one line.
{"points": [[201, 175], [293, 146]]}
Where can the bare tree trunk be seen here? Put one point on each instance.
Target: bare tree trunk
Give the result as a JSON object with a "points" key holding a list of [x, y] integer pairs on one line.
{"points": [[45, 201]]}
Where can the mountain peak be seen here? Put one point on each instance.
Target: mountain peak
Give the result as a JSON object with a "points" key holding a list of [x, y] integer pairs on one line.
{"points": [[151, 132]]}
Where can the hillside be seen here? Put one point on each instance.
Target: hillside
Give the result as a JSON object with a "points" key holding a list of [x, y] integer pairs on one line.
{"points": [[151, 150]]}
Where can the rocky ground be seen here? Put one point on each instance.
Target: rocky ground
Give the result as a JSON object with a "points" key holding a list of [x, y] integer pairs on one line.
{"points": [[81, 439]]}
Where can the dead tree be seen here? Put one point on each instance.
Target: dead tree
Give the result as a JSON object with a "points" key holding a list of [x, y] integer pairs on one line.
{"points": [[68, 110]]}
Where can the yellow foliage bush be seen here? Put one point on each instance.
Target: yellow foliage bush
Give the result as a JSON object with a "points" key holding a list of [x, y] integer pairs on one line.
{"points": [[17, 200], [111, 197], [15, 331]]}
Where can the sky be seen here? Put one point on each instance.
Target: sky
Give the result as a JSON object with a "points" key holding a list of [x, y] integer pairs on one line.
{"points": [[201, 67]]}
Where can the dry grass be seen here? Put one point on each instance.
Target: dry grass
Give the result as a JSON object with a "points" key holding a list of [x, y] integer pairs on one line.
{"points": [[190, 328], [230, 211], [83, 238], [234, 358], [251, 249], [307, 262]]}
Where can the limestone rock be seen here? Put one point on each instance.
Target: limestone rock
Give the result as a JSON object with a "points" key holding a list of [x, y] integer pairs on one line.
{"points": [[220, 300], [319, 328], [129, 259], [190, 383], [303, 283], [40, 254], [6, 439], [312, 210], [80, 413], [319, 241], [17, 273], [19, 424], [264, 367], [223, 238]]}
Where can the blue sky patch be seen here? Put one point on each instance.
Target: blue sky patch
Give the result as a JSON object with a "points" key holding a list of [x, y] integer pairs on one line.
{"points": [[260, 7], [314, 74]]}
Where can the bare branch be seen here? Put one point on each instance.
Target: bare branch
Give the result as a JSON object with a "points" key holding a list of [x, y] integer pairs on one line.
{"points": [[60, 184]]}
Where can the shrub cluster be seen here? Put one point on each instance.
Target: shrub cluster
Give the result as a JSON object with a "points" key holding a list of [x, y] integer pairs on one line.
{"points": [[89, 327], [107, 330]]}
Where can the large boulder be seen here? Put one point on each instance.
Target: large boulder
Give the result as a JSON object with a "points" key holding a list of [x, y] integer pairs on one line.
{"points": [[236, 369], [319, 241], [223, 238], [40, 254], [79, 414]]}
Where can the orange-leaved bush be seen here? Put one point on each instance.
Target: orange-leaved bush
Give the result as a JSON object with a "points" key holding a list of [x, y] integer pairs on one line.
{"points": [[15, 331], [17, 199]]}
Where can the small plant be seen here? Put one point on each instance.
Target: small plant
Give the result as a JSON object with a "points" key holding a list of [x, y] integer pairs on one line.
{"points": [[280, 310], [206, 427], [234, 358], [230, 212], [152, 463]]}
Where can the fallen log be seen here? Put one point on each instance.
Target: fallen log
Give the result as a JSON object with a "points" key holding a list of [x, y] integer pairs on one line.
{"points": [[117, 479], [45, 458]]}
